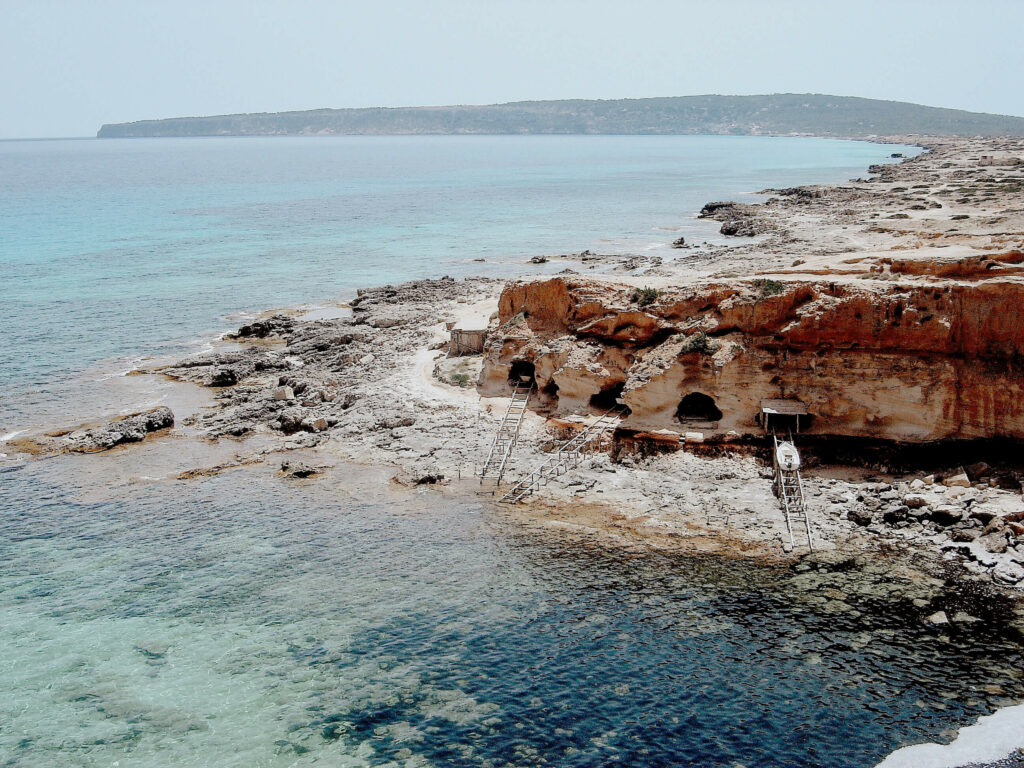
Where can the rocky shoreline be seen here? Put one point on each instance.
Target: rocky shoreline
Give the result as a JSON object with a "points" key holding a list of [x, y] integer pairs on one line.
{"points": [[375, 386], [942, 542]]}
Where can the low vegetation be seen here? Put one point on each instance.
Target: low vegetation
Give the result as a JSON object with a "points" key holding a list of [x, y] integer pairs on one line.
{"points": [[645, 296], [700, 343], [766, 287]]}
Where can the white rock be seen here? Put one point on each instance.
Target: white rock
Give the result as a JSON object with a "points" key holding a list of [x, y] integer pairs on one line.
{"points": [[938, 618], [694, 437], [1008, 573], [958, 480]]}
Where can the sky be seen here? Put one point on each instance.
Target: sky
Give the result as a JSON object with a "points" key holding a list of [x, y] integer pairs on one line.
{"points": [[68, 66]]}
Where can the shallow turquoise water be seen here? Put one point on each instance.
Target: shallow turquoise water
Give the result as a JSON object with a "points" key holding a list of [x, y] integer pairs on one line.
{"points": [[120, 248], [247, 621]]}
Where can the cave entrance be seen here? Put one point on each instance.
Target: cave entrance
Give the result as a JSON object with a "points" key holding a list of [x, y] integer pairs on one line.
{"points": [[697, 406], [609, 397], [522, 373]]}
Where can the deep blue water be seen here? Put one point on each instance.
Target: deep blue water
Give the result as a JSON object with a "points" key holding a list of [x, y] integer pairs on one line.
{"points": [[120, 248]]}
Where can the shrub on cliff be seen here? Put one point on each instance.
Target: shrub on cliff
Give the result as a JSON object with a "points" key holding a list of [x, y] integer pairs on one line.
{"points": [[766, 288], [699, 343], [645, 296]]}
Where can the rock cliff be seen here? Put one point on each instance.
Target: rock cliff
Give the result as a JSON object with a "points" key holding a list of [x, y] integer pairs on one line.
{"points": [[882, 356]]}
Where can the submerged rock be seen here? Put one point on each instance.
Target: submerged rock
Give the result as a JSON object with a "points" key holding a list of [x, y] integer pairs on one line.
{"points": [[299, 469]]}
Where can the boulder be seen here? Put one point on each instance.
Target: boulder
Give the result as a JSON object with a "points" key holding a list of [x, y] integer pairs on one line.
{"points": [[1008, 573], [860, 516], [938, 619], [963, 535], [915, 500], [959, 480], [983, 514], [994, 542], [977, 470], [291, 420], [284, 393], [947, 514]]}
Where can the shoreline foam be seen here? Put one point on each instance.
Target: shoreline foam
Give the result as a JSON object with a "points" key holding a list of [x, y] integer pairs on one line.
{"points": [[990, 739]]}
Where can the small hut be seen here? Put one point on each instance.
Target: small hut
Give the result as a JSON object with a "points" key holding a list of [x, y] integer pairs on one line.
{"points": [[784, 416], [466, 340]]}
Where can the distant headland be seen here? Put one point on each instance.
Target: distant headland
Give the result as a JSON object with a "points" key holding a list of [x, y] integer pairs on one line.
{"points": [[786, 114]]}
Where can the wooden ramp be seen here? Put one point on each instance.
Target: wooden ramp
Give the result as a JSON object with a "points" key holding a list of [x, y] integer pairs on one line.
{"points": [[569, 453], [508, 434], [789, 488]]}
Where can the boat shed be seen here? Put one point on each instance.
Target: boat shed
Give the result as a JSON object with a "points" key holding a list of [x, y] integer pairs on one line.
{"points": [[466, 341], [784, 415]]}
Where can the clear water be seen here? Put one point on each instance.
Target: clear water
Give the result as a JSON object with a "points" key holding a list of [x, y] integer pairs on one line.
{"points": [[120, 248], [244, 621]]}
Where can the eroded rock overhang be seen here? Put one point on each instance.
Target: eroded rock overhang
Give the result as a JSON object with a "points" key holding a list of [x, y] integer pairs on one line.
{"points": [[886, 357]]}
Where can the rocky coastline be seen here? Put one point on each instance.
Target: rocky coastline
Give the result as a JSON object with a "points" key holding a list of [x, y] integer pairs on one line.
{"points": [[940, 535], [889, 304]]}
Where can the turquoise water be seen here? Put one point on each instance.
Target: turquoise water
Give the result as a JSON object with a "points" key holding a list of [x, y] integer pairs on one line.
{"points": [[245, 621], [120, 248]]}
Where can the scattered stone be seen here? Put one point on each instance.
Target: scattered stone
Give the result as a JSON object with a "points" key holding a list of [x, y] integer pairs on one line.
{"points": [[284, 393], [938, 619]]}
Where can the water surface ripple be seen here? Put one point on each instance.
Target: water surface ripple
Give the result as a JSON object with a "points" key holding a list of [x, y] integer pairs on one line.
{"points": [[244, 621]]}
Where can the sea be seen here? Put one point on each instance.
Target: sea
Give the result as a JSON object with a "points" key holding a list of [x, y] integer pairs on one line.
{"points": [[246, 620]]}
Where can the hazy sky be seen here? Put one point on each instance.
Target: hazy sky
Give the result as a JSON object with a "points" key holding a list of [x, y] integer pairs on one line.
{"points": [[68, 67]]}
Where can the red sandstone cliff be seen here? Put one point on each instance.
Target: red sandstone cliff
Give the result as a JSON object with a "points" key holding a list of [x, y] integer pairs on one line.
{"points": [[902, 359]]}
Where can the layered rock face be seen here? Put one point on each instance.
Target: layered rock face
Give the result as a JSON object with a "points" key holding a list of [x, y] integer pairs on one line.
{"points": [[912, 360]]}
